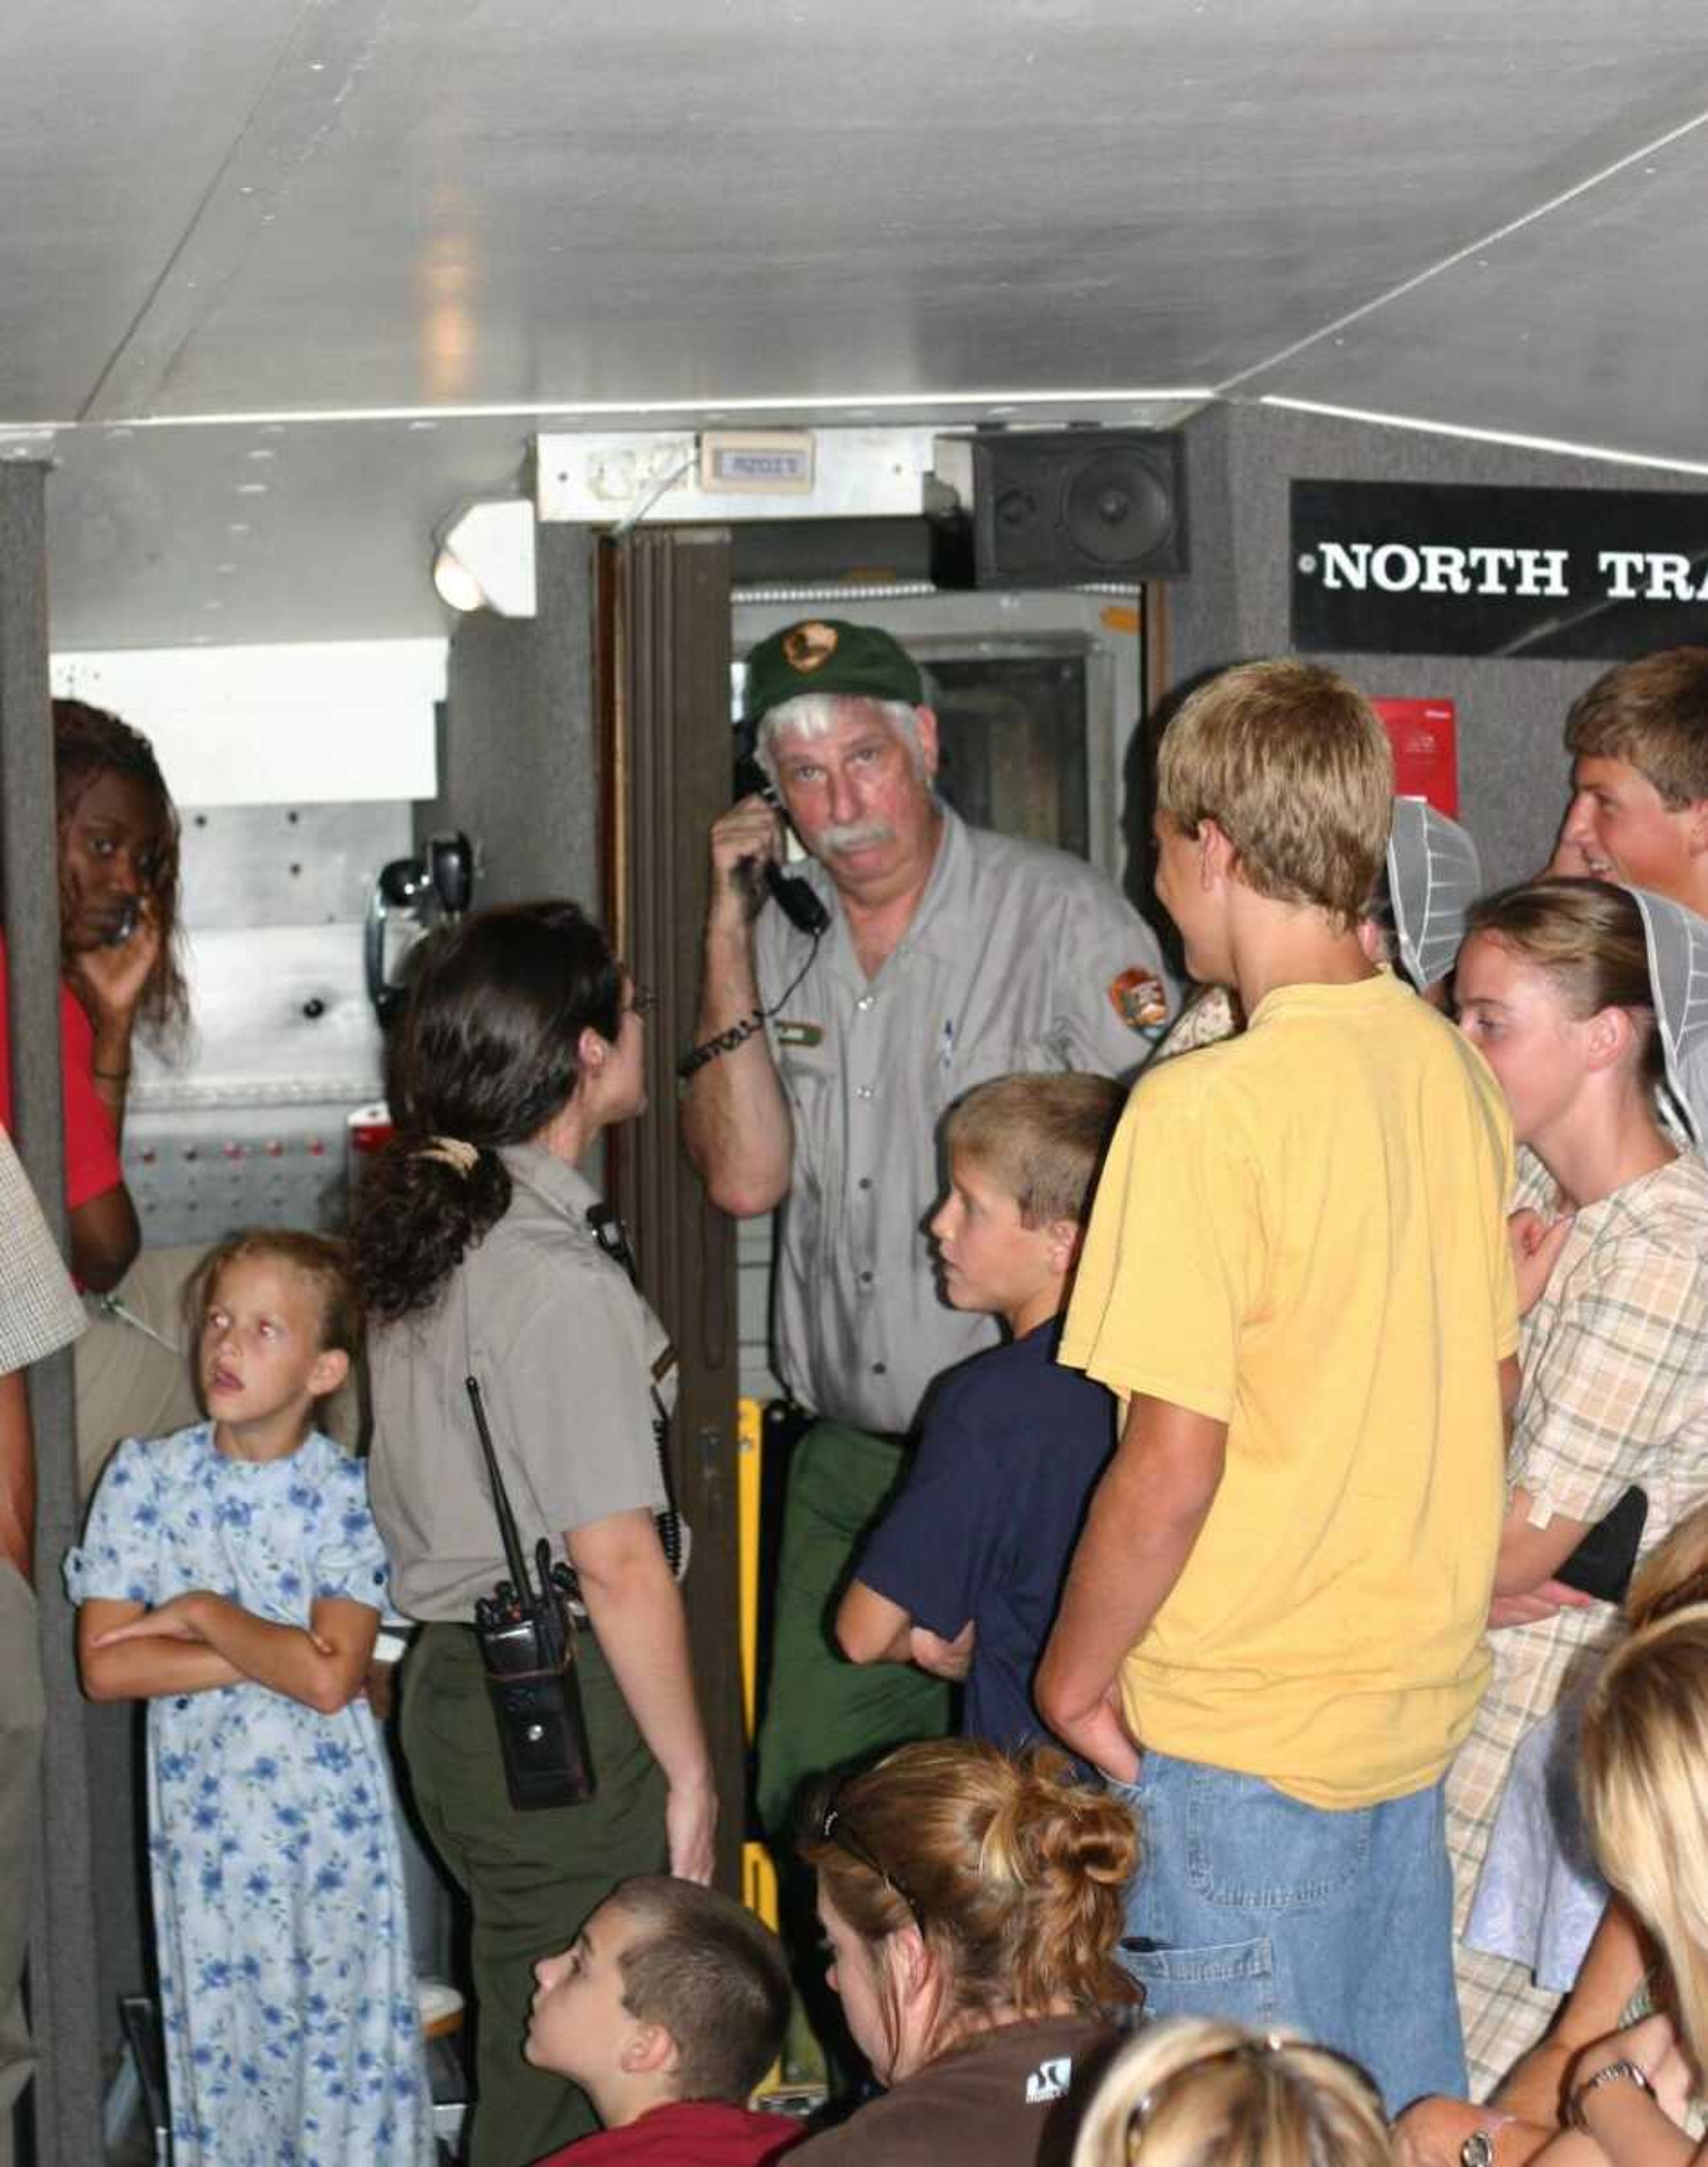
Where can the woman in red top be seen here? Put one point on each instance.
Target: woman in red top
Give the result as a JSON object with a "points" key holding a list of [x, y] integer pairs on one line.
{"points": [[119, 929]]}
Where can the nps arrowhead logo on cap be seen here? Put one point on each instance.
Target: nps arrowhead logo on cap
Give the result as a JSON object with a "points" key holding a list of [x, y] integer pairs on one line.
{"points": [[828, 655], [809, 647]]}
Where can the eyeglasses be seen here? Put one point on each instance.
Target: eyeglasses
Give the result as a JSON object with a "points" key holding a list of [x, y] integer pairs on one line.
{"points": [[1255, 2049], [834, 1828]]}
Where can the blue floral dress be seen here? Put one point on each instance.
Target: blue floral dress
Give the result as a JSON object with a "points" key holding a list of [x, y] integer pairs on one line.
{"points": [[287, 1993]]}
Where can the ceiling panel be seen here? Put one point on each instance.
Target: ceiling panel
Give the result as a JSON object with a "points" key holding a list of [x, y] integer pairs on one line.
{"points": [[114, 121], [305, 206], [1585, 326]]}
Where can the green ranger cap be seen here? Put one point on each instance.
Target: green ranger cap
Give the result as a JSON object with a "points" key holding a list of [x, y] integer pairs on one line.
{"points": [[827, 654]]}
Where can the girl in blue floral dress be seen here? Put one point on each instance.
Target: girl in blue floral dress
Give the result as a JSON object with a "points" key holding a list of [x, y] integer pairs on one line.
{"points": [[231, 1576]]}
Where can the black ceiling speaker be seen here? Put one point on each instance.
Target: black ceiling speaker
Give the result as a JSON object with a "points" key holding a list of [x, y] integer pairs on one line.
{"points": [[1053, 508]]}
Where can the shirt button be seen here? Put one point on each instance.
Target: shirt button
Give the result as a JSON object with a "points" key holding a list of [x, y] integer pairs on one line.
{"points": [[864, 1002], [865, 1091], [864, 1181], [865, 1278], [879, 1368]]}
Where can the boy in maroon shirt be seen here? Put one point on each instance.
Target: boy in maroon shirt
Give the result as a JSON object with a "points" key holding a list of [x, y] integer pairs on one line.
{"points": [[666, 2011]]}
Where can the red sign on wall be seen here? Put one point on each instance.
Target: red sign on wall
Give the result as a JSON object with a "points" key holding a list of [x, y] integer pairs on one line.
{"points": [[1425, 737]]}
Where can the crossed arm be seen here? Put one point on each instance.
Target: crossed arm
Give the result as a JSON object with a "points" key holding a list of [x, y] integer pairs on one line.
{"points": [[872, 1628], [200, 1640]]}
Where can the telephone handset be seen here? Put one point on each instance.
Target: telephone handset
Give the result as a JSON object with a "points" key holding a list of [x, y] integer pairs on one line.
{"points": [[799, 901], [410, 895], [795, 897]]}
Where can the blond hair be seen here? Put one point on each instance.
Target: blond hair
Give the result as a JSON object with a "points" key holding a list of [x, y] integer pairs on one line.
{"points": [[1644, 1774], [1673, 1574], [1040, 1138], [1198, 2092], [1290, 762], [1587, 936], [1014, 1872], [320, 1259], [1652, 713]]}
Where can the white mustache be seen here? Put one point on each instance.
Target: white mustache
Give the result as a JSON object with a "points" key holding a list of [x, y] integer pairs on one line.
{"points": [[855, 835]]}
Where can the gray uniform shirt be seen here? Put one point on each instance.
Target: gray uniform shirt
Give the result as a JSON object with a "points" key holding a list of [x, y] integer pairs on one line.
{"points": [[1018, 957], [566, 1353]]}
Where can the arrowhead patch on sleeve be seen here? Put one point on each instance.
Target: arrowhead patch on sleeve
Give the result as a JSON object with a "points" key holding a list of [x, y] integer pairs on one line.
{"points": [[1139, 998]]}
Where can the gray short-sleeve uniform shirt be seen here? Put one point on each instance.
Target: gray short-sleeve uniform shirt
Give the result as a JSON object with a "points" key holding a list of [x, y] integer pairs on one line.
{"points": [[566, 1353], [1018, 957]]}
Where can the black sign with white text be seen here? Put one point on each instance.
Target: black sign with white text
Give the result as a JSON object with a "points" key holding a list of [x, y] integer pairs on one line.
{"points": [[1406, 568]]}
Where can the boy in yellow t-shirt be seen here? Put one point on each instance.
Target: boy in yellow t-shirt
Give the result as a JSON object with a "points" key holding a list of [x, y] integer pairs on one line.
{"points": [[1297, 1274]]}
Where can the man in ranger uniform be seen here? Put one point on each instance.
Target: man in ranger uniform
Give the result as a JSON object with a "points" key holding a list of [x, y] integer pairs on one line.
{"points": [[823, 1065]]}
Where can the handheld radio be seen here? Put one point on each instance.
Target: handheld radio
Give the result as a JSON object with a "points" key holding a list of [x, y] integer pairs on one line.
{"points": [[528, 1646]]}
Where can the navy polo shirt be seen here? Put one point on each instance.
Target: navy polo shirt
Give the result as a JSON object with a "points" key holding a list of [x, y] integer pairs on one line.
{"points": [[986, 1526]]}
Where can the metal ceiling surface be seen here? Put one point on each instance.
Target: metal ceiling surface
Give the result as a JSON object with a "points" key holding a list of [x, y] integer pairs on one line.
{"points": [[398, 209]]}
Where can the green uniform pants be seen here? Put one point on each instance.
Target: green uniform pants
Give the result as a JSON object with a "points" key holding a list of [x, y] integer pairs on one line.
{"points": [[821, 1710], [531, 1878]]}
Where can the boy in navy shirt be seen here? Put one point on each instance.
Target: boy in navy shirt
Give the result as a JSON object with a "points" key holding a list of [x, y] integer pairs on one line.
{"points": [[963, 1573]]}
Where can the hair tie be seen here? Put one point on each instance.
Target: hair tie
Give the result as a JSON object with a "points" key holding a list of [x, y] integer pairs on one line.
{"points": [[452, 1151]]}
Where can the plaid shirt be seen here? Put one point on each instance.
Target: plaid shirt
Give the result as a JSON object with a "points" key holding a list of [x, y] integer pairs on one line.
{"points": [[1208, 1018], [1615, 1356], [38, 1306]]}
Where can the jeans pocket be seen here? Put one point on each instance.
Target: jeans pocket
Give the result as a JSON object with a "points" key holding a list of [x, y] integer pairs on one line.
{"points": [[1252, 1848], [1231, 1980]]}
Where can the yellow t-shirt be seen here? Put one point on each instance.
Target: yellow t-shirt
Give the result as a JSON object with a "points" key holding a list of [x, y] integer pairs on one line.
{"points": [[1301, 1234]]}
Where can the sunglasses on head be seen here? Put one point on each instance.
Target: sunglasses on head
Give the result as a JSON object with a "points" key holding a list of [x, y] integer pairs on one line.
{"points": [[833, 1828]]}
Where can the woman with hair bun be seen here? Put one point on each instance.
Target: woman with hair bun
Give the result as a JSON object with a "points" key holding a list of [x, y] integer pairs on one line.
{"points": [[1196, 2092], [477, 1243], [972, 1903], [1553, 989]]}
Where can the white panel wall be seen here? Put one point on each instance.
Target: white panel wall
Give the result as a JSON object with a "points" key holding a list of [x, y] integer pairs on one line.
{"points": [[314, 722]]}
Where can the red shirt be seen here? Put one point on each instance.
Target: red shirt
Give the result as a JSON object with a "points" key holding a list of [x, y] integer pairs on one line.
{"points": [[684, 2133], [92, 1153]]}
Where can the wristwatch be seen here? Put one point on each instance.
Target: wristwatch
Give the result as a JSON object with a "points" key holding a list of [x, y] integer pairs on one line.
{"points": [[1614, 2073], [1478, 2148]]}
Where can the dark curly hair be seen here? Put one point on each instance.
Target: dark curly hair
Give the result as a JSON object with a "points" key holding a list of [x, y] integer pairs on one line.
{"points": [[88, 744], [485, 1053]]}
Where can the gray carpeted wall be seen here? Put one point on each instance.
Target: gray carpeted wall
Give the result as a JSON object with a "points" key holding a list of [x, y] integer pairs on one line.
{"points": [[1236, 603], [64, 1979]]}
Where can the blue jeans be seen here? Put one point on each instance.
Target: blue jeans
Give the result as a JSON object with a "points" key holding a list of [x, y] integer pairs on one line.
{"points": [[1252, 1906]]}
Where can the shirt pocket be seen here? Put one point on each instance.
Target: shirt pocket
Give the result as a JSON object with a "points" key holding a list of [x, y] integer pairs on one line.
{"points": [[956, 1064], [817, 1175]]}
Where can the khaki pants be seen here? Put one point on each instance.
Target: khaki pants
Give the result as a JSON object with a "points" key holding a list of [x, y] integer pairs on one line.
{"points": [[531, 1878], [21, 1718], [134, 1370]]}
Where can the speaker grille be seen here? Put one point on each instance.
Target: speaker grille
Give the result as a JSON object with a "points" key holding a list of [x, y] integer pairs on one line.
{"points": [[1054, 506]]}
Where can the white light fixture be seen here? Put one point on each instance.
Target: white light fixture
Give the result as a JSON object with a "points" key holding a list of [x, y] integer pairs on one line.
{"points": [[485, 558]]}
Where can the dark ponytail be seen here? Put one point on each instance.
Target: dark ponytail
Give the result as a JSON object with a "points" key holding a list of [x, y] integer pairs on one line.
{"points": [[485, 1055]]}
